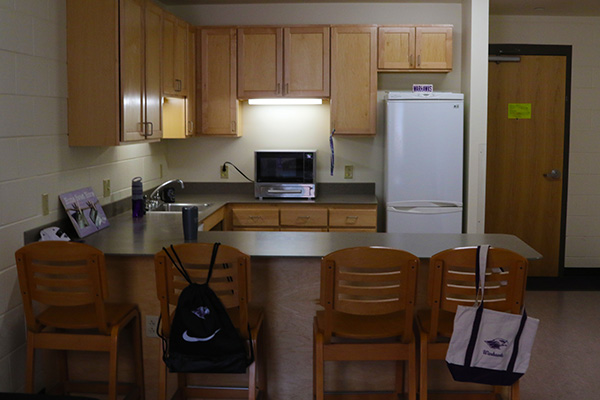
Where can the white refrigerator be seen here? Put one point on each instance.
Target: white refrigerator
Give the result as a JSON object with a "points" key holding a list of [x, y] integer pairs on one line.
{"points": [[423, 171]]}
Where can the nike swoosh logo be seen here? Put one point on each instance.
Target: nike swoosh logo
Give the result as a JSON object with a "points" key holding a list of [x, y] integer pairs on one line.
{"points": [[189, 338]]}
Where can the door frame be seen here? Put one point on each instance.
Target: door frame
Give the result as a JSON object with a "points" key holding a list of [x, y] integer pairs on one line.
{"points": [[551, 50]]}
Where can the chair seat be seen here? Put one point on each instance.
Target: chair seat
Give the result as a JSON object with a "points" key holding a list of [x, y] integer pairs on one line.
{"points": [[364, 326], [445, 322], [83, 317]]}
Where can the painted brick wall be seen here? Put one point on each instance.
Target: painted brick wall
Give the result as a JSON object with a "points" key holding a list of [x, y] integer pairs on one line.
{"points": [[35, 157]]}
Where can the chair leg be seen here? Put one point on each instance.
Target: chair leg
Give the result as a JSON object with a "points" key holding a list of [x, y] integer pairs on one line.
{"points": [[423, 356], [252, 381], [63, 370], [182, 385], [113, 364], [318, 364], [514, 391], [399, 378], [138, 353], [30, 367], [412, 372]]}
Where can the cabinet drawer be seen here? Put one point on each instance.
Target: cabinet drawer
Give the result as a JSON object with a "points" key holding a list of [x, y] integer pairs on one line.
{"points": [[350, 218], [255, 216], [304, 217]]}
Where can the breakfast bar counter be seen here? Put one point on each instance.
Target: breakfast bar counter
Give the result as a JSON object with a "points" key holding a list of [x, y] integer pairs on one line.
{"points": [[285, 281]]}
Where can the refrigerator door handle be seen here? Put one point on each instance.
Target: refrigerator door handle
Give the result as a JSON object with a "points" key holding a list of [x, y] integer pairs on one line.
{"points": [[424, 210], [424, 203]]}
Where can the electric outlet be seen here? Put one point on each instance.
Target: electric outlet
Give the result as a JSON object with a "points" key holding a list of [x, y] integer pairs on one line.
{"points": [[348, 172], [45, 208], [151, 325], [224, 173], [106, 187]]}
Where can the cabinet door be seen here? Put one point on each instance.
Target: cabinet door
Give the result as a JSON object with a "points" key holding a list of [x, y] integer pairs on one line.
{"points": [[396, 48], [260, 62], [434, 47], [181, 58], [353, 80], [132, 69], [219, 107], [153, 72], [306, 61], [175, 48], [191, 79]]}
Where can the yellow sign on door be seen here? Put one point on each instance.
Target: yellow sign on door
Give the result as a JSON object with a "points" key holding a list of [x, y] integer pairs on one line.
{"points": [[519, 110]]}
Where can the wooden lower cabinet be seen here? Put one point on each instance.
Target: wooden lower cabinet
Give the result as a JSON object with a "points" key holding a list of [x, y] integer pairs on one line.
{"points": [[301, 217], [254, 217], [353, 218]]}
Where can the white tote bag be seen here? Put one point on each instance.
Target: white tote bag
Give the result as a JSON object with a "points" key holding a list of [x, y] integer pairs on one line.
{"points": [[488, 346]]}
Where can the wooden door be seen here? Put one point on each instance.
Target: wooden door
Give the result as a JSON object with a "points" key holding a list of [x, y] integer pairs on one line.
{"points": [[353, 102], [260, 62], [306, 61], [526, 142], [217, 71]]}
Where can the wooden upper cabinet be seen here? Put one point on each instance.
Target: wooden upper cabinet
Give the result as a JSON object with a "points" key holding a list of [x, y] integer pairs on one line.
{"points": [[434, 47], [306, 61], [353, 103], [260, 62], [415, 48], [175, 56], [396, 48], [114, 75], [192, 124], [276, 62], [218, 109]]}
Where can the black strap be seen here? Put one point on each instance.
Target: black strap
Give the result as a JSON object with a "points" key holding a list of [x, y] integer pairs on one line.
{"points": [[178, 264], [213, 257], [513, 357]]}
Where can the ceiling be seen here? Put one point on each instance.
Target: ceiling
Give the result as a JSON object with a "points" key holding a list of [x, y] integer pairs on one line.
{"points": [[497, 7]]}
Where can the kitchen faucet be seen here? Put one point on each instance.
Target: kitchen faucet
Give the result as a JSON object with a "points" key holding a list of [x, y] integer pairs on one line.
{"points": [[154, 200]]}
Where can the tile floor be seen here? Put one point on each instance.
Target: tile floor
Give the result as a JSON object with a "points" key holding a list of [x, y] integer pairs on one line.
{"points": [[565, 361]]}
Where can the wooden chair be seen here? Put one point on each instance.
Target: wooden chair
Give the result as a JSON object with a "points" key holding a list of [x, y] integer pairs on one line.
{"points": [[68, 281], [368, 294], [452, 283], [231, 282]]}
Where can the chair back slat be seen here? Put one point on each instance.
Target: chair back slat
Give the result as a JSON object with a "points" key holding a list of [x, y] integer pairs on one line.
{"points": [[368, 281], [452, 281], [62, 274], [229, 280]]}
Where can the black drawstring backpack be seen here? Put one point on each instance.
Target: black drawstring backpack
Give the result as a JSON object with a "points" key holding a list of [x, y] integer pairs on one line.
{"points": [[203, 338]]}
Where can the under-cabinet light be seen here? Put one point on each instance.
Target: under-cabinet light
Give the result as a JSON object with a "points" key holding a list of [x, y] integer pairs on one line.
{"points": [[287, 102]]}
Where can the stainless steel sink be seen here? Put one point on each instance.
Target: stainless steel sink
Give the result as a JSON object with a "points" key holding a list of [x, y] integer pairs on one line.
{"points": [[177, 207]]}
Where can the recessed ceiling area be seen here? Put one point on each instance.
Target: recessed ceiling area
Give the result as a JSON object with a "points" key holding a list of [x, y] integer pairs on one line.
{"points": [[497, 7]]}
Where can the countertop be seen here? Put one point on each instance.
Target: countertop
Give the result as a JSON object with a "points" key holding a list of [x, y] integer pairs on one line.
{"points": [[146, 236]]}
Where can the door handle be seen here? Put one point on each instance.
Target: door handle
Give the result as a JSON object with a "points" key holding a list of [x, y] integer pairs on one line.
{"points": [[554, 174]]}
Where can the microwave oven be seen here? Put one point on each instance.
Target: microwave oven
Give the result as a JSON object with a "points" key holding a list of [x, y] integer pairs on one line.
{"points": [[285, 174]]}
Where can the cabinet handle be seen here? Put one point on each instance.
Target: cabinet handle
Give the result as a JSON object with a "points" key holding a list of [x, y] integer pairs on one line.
{"points": [[278, 88], [419, 60], [151, 129], [233, 126], [178, 85], [411, 60], [190, 126], [287, 88], [351, 219]]}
